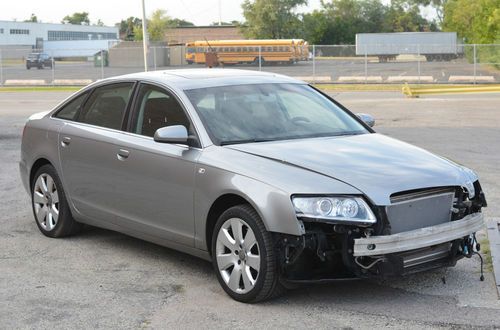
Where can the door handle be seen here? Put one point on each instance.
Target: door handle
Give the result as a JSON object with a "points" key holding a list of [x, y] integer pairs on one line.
{"points": [[122, 154], [65, 141]]}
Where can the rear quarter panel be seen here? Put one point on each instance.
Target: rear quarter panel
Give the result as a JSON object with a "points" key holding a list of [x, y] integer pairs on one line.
{"points": [[40, 140]]}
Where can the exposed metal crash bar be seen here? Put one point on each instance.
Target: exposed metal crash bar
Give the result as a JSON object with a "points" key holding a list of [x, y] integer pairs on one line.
{"points": [[418, 238]]}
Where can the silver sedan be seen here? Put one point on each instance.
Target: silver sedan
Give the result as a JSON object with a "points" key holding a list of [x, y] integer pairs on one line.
{"points": [[272, 180]]}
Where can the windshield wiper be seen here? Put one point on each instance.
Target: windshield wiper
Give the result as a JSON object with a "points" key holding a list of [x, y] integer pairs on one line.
{"points": [[225, 143]]}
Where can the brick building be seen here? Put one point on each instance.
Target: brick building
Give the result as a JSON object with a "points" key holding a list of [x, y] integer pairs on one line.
{"points": [[182, 35]]}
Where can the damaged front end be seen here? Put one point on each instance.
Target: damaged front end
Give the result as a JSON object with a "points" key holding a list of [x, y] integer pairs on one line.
{"points": [[420, 230]]}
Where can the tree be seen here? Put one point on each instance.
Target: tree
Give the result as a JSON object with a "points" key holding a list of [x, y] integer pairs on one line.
{"points": [[438, 6], [32, 19], [235, 23], [477, 21], [158, 24], [177, 22], [126, 27], [405, 17], [77, 18], [338, 21], [271, 19], [99, 23]]}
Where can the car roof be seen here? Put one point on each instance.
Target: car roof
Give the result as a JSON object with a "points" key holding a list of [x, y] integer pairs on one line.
{"points": [[201, 78]]}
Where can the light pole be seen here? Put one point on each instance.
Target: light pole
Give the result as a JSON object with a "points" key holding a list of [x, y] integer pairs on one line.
{"points": [[220, 14], [144, 36]]}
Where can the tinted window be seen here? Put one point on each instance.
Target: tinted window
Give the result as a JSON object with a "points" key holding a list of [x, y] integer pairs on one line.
{"points": [[157, 108], [70, 110], [106, 106]]}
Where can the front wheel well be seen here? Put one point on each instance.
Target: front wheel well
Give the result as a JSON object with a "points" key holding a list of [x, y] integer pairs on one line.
{"points": [[39, 163], [220, 205]]}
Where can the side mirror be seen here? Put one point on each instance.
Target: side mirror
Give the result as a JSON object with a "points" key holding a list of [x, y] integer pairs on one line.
{"points": [[172, 134], [367, 119]]}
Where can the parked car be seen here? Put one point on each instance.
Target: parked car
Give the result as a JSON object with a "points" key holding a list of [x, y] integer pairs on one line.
{"points": [[269, 178], [39, 60]]}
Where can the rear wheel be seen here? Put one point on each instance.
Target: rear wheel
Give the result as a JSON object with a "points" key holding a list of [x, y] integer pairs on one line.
{"points": [[50, 207], [243, 256]]}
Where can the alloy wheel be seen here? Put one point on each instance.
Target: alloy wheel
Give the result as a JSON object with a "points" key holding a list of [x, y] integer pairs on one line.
{"points": [[238, 255], [46, 202]]}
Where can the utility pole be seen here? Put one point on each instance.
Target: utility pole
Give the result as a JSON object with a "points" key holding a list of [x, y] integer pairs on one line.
{"points": [[144, 36], [220, 13]]}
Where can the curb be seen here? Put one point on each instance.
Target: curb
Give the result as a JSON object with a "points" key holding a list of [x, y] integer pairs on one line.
{"points": [[493, 229]]}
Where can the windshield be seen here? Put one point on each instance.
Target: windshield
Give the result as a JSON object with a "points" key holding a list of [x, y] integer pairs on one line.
{"points": [[268, 112], [31, 56]]}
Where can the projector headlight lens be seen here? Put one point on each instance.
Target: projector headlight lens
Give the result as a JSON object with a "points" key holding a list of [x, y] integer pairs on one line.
{"points": [[337, 209]]}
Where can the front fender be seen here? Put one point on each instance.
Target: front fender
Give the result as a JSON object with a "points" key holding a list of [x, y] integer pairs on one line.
{"points": [[272, 204]]}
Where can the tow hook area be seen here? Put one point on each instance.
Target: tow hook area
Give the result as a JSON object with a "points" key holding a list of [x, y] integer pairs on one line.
{"points": [[315, 256], [469, 247]]}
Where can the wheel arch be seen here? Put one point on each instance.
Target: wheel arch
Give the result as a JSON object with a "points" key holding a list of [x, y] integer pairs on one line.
{"points": [[36, 165], [221, 204]]}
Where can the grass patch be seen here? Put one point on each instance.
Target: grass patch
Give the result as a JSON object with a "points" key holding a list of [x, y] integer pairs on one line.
{"points": [[41, 89], [380, 87], [486, 252]]}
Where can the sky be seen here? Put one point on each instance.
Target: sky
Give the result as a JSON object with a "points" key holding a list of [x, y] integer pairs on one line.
{"points": [[200, 12]]}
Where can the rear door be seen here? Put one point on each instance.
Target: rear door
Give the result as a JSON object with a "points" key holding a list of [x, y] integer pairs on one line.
{"points": [[90, 150]]}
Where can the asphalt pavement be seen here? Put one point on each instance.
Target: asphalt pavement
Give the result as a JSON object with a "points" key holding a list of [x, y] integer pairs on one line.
{"points": [[102, 279]]}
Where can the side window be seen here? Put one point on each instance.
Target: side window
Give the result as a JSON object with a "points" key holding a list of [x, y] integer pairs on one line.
{"points": [[70, 110], [106, 106], [156, 108]]}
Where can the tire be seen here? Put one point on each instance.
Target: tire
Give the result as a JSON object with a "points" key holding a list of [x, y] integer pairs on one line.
{"points": [[237, 273], [47, 193]]}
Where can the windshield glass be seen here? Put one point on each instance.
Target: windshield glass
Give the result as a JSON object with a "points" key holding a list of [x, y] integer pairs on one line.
{"points": [[267, 112]]}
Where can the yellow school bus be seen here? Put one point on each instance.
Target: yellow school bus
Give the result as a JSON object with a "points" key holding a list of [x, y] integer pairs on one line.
{"points": [[248, 51]]}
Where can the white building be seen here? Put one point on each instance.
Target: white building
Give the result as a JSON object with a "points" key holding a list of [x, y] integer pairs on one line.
{"points": [[58, 39]]}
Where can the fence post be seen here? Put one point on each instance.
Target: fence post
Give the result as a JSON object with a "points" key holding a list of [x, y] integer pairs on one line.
{"points": [[1, 68], [260, 58], [154, 57], [366, 66], [102, 64], [418, 61], [314, 63], [475, 64], [53, 68]]}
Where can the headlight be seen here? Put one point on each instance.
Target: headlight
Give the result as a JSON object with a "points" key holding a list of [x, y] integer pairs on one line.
{"points": [[471, 177], [342, 209]]}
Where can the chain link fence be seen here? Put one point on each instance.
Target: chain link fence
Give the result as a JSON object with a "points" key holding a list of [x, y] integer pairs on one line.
{"points": [[470, 64]]}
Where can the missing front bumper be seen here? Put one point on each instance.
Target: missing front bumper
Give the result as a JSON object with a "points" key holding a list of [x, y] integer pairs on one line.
{"points": [[418, 238]]}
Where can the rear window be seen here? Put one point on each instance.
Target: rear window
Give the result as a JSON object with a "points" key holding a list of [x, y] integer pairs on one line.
{"points": [[70, 110]]}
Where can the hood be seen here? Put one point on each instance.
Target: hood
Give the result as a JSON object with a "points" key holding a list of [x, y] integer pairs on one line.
{"points": [[375, 164]]}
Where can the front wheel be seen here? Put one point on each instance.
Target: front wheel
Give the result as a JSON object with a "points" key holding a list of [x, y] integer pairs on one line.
{"points": [[50, 207], [243, 256]]}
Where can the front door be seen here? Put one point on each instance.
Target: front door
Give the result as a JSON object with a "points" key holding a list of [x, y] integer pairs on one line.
{"points": [[156, 185]]}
